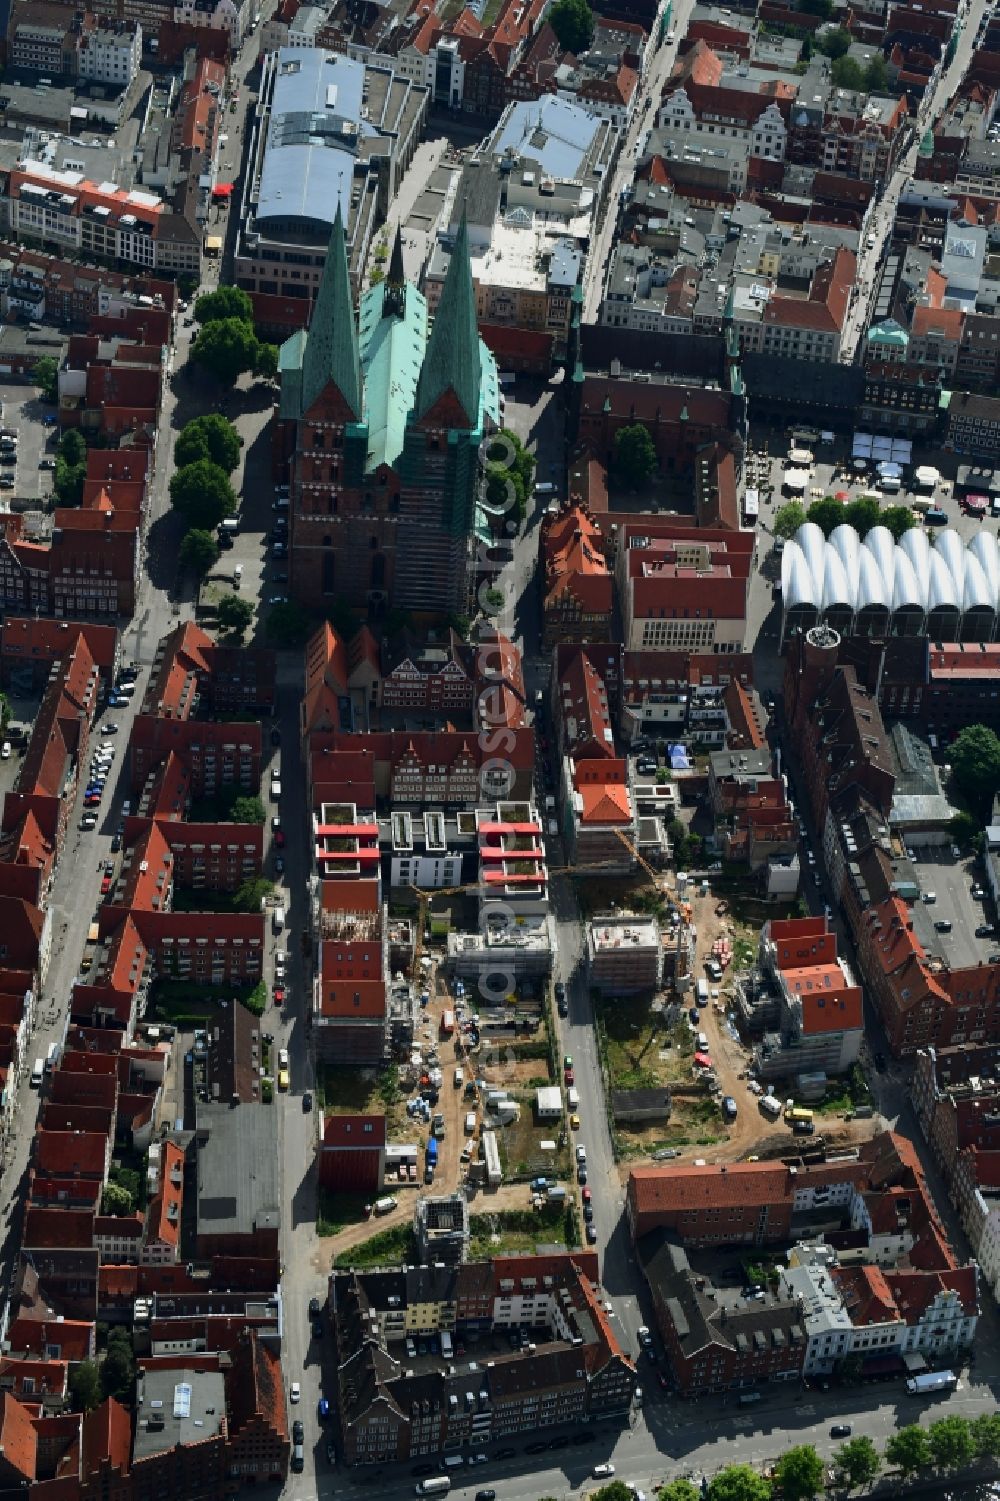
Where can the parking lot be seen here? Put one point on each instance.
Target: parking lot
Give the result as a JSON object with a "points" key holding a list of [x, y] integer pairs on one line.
{"points": [[950, 883], [24, 415]]}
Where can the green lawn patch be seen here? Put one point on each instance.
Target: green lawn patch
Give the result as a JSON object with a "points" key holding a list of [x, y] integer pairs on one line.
{"points": [[385, 1248], [511, 1232], [337, 1211], [187, 1004]]}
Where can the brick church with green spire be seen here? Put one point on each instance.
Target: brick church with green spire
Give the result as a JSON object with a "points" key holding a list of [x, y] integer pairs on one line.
{"points": [[383, 423]]}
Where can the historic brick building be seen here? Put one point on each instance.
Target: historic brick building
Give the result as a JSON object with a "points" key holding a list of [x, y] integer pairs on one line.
{"points": [[382, 423]]}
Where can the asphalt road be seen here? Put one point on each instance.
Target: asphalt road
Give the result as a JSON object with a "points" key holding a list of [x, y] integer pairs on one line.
{"points": [[870, 261], [642, 120]]}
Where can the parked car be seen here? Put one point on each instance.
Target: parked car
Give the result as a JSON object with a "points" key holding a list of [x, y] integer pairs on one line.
{"points": [[840, 1430]]}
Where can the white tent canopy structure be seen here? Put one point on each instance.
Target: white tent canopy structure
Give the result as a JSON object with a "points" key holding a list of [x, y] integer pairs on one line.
{"points": [[795, 480], [874, 586]]}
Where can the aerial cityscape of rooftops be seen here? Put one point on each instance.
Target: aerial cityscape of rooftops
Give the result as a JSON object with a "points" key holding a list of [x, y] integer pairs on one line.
{"points": [[499, 749]]}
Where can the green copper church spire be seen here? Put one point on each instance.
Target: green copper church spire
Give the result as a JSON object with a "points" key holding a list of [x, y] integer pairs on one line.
{"points": [[452, 359], [332, 347]]}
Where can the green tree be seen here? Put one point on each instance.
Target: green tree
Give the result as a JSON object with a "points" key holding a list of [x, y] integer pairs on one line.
{"points": [[210, 436], [862, 514], [85, 1386], [857, 1462], [848, 74], [573, 23], [986, 1434], [805, 55], [616, 1491], [256, 1001], [877, 75], [68, 481], [199, 551], [46, 375], [635, 455], [898, 519], [834, 42], [827, 514], [963, 828], [951, 1443], [908, 1450], [202, 493], [234, 614], [265, 361], [799, 1473], [225, 302], [116, 1200], [247, 810], [187, 285], [975, 765], [788, 518], [118, 1369], [739, 1483], [250, 895], [679, 1490], [288, 624], [72, 446], [225, 349]]}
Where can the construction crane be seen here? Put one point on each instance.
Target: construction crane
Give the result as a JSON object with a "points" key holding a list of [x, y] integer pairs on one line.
{"points": [[423, 902]]}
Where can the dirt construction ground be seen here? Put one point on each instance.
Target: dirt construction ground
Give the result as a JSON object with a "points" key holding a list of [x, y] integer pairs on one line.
{"points": [[752, 1133]]}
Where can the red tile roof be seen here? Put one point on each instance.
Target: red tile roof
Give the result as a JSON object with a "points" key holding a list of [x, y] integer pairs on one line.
{"points": [[107, 1438], [163, 1220], [18, 1442], [354, 1131], [71, 1154]]}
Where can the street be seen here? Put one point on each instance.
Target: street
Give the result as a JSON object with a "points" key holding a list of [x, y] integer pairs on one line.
{"points": [[643, 119]]}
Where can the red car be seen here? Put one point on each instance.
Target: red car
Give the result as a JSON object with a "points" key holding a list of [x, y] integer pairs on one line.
{"points": [[105, 885], [568, 1077], [279, 995], [279, 838], [586, 1195]]}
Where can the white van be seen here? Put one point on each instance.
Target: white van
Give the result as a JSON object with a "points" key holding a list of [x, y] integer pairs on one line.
{"points": [[573, 1099], [52, 1057], [703, 1041], [37, 1073], [278, 919], [470, 1123]]}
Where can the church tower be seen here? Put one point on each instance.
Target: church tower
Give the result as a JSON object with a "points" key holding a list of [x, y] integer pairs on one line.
{"points": [[385, 424]]}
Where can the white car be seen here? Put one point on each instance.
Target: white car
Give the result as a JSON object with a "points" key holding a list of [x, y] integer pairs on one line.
{"points": [[282, 1057], [5, 751], [581, 1155], [294, 1392], [602, 1472]]}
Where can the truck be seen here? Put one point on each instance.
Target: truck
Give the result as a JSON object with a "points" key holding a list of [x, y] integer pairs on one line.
{"points": [[447, 1023], [385, 1206], [931, 1383], [437, 1485], [794, 1114], [770, 1106], [432, 1152]]}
